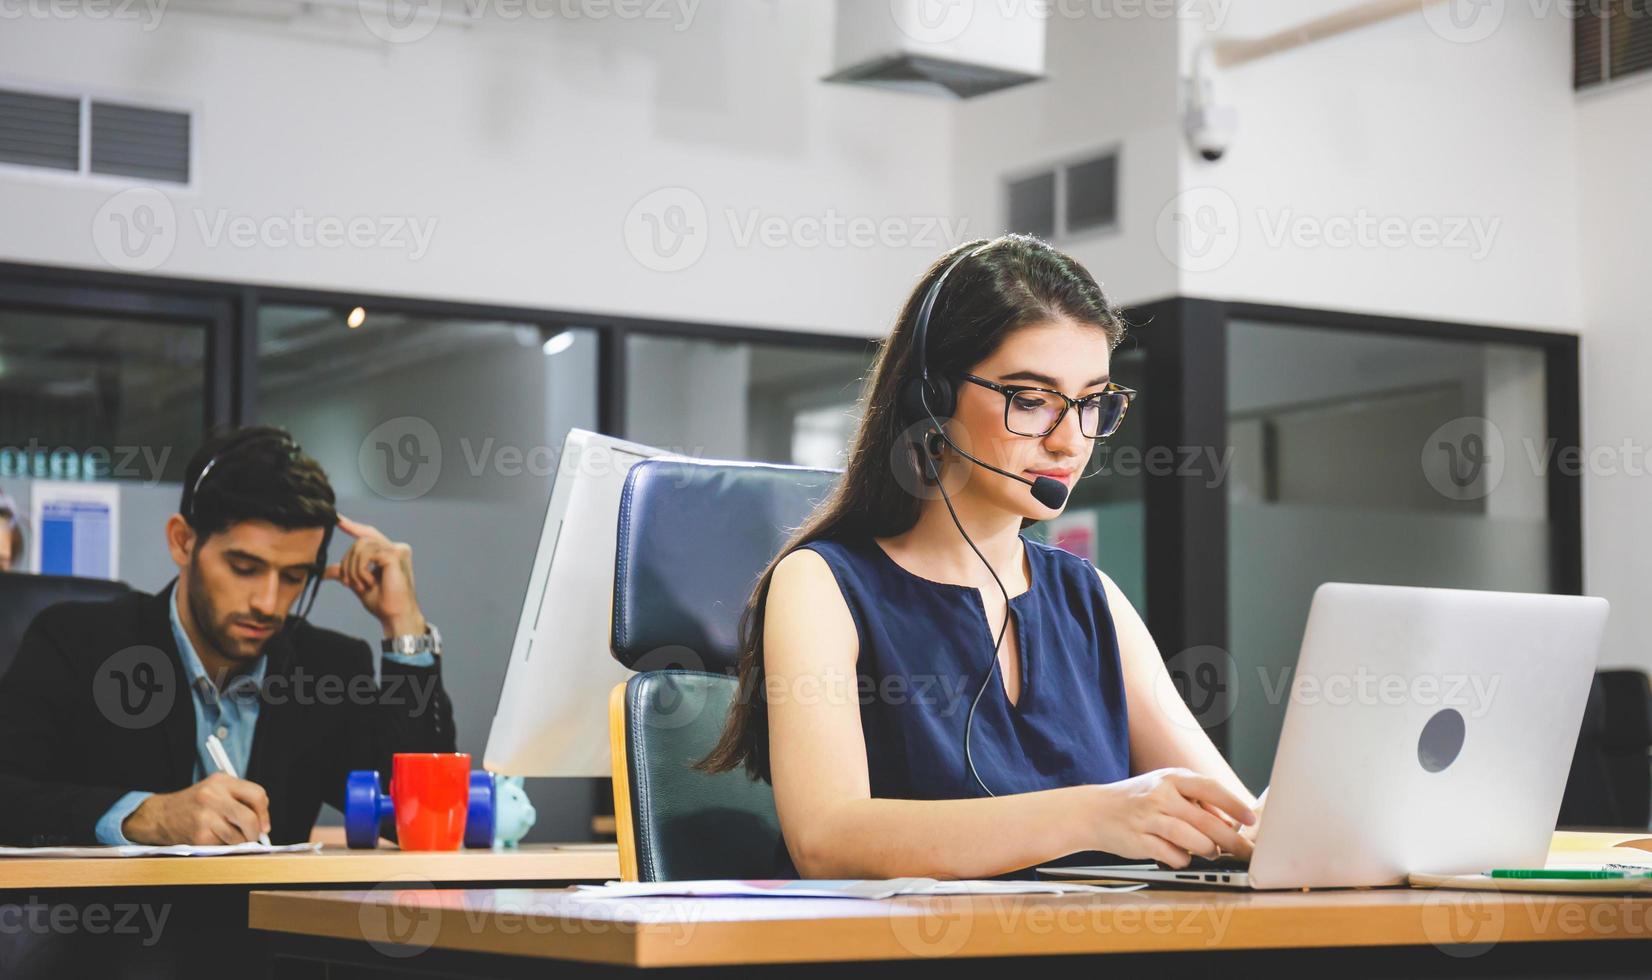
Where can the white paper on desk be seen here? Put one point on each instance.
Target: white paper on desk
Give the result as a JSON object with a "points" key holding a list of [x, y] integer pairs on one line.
{"points": [[826, 888], [158, 850]]}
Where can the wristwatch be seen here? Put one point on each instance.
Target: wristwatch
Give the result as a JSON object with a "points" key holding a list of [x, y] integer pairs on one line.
{"points": [[412, 644]]}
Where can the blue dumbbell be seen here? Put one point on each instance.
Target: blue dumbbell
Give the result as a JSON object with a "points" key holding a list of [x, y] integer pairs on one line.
{"points": [[483, 813], [367, 806]]}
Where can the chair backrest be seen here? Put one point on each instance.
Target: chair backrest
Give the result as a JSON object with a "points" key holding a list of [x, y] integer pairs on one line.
{"points": [[22, 597], [683, 824], [1611, 779], [693, 538]]}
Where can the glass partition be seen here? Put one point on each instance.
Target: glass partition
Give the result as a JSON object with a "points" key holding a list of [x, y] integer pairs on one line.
{"points": [[1374, 458]]}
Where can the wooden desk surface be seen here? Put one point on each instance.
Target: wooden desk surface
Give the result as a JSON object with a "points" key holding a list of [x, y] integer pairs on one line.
{"points": [[670, 932], [333, 865], [565, 925]]}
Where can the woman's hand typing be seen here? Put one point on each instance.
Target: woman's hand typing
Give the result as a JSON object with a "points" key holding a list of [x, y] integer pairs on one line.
{"points": [[1168, 815]]}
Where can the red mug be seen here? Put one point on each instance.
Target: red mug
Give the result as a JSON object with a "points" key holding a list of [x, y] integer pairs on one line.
{"points": [[431, 791]]}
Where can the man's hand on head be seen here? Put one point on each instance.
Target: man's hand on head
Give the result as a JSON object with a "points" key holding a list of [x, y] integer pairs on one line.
{"points": [[380, 572], [219, 809]]}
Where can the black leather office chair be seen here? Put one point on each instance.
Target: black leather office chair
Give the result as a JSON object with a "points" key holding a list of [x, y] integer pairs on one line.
{"points": [[693, 537], [1611, 779], [22, 597]]}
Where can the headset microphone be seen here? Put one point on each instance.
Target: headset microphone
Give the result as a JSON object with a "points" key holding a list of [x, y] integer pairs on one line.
{"points": [[1047, 490]]}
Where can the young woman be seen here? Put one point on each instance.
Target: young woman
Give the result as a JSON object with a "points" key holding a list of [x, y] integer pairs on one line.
{"points": [[910, 724]]}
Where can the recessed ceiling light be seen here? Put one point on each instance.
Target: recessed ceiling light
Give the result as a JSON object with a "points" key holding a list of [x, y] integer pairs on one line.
{"points": [[357, 317], [559, 343]]}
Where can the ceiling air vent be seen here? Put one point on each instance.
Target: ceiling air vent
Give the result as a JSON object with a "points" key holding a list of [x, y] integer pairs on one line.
{"points": [[132, 141], [958, 50], [81, 135], [1066, 200], [39, 130], [1611, 39]]}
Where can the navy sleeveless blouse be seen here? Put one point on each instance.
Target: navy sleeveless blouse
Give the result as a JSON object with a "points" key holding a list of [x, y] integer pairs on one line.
{"points": [[924, 649]]}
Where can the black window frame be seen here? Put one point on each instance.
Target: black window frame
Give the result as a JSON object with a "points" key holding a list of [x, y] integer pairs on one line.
{"points": [[1184, 341]]}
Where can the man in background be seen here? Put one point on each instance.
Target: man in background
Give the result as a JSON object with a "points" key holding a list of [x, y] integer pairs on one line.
{"points": [[106, 710]]}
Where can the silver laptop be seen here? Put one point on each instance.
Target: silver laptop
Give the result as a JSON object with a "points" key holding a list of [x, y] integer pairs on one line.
{"points": [[1429, 730]]}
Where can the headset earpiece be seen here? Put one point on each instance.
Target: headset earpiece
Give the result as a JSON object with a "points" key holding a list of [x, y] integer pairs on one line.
{"points": [[918, 403]]}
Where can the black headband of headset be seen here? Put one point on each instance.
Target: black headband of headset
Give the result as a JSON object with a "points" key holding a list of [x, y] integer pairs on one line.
{"points": [[920, 335], [312, 585]]}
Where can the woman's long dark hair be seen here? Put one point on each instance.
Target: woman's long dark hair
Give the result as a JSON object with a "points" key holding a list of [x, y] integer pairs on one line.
{"points": [[1015, 281]]}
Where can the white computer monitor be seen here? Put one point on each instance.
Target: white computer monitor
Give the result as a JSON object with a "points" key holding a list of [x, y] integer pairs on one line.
{"points": [[552, 718]]}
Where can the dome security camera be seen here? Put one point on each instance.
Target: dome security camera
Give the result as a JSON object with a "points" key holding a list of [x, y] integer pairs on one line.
{"points": [[1208, 125], [1210, 130]]}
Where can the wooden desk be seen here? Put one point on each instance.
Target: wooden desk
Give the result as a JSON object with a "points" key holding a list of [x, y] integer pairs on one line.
{"points": [[332, 866], [563, 925], [1399, 931]]}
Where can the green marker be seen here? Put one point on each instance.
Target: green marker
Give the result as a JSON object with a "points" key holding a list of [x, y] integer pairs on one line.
{"points": [[1566, 874]]}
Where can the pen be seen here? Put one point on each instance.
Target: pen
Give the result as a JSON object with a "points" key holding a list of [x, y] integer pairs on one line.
{"points": [[1565, 873], [220, 758]]}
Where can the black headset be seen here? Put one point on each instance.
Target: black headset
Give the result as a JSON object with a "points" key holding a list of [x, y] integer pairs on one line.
{"points": [[312, 585], [925, 396]]}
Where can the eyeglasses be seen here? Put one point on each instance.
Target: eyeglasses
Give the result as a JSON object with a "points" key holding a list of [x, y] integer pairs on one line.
{"points": [[1032, 411]]}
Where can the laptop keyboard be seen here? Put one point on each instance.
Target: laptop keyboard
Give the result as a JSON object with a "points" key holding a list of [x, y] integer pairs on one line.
{"points": [[1226, 862]]}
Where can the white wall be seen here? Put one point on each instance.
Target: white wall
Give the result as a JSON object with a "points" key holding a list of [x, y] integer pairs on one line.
{"points": [[1614, 142], [1405, 121], [527, 144], [1110, 83]]}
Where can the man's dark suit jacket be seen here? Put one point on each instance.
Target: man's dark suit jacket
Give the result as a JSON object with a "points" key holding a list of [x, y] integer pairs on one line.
{"points": [[85, 717]]}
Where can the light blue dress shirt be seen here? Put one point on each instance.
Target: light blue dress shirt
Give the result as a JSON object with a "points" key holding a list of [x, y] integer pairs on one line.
{"points": [[231, 713]]}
